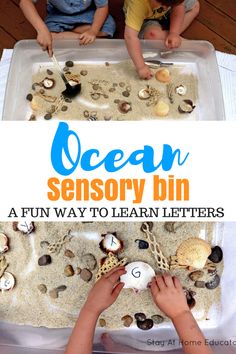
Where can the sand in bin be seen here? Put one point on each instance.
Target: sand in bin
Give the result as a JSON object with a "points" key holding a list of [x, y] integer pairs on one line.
{"points": [[26, 305], [109, 84]]}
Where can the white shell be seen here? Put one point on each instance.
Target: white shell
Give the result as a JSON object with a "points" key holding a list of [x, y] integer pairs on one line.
{"points": [[7, 281], [138, 276], [48, 83], [144, 94], [181, 90], [3, 243], [111, 243], [26, 227]]}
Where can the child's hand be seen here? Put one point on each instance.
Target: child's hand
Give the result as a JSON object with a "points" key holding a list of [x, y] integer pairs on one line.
{"points": [[87, 37], [173, 40], [169, 296], [105, 291], [145, 73], [44, 39]]}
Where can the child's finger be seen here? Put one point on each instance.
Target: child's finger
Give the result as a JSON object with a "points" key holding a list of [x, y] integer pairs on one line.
{"points": [[177, 283], [168, 280], [154, 287], [117, 289], [114, 277], [160, 282]]}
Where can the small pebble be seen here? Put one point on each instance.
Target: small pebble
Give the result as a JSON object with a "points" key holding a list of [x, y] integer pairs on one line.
{"points": [[128, 88], [105, 96], [191, 302], [66, 69], [212, 272], [140, 316], [107, 118], [53, 293], [45, 260], [42, 91], [69, 271], [145, 325], [78, 270], [61, 288], [89, 261], [142, 245], [86, 114], [214, 283], [68, 100], [83, 72], [125, 93], [49, 72], [95, 96], [116, 101], [42, 288], [106, 63], [102, 322], [114, 84], [196, 275], [48, 116], [69, 253], [64, 108], [121, 84], [69, 64], [216, 255], [157, 319], [29, 97], [199, 284], [95, 87], [86, 275], [127, 320], [44, 244], [112, 89], [32, 117]]}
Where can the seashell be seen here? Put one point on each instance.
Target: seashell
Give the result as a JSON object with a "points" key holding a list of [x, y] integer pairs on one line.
{"points": [[138, 276], [42, 288], [186, 106], [83, 72], [145, 325], [142, 245], [216, 255], [214, 283], [48, 83], [32, 117], [86, 114], [89, 261], [69, 253], [172, 226], [3, 243], [86, 275], [29, 97], [181, 90], [157, 319], [144, 94], [140, 316], [161, 109], [78, 270], [110, 243], [69, 271], [163, 75], [124, 107], [25, 227], [44, 260], [193, 252], [108, 263], [198, 274], [102, 322], [7, 281], [127, 320], [69, 63], [199, 284], [191, 302], [49, 72]]}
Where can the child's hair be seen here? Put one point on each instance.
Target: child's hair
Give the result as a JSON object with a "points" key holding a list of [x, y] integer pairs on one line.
{"points": [[171, 2]]}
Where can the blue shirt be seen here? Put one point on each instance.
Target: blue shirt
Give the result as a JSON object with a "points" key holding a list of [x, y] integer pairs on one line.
{"points": [[76, 6]]}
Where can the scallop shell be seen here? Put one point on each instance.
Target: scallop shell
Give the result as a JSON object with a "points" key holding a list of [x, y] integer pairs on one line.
{"points": [[163, 75], [110, 243], [7, 281], [193, 252], [162, 108], [144, 94], [138, 276], [25, 227], [3, 243]]}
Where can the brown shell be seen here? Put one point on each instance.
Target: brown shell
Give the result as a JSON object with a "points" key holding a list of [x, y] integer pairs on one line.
{"points": [[107, 248], [193, 252], [163, 75]]}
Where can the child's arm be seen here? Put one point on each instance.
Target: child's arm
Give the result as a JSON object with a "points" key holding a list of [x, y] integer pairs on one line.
{"points": [[135, 51], [168, 294], [100, 16], [173, 39], [101, 296], [44, 37]]}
